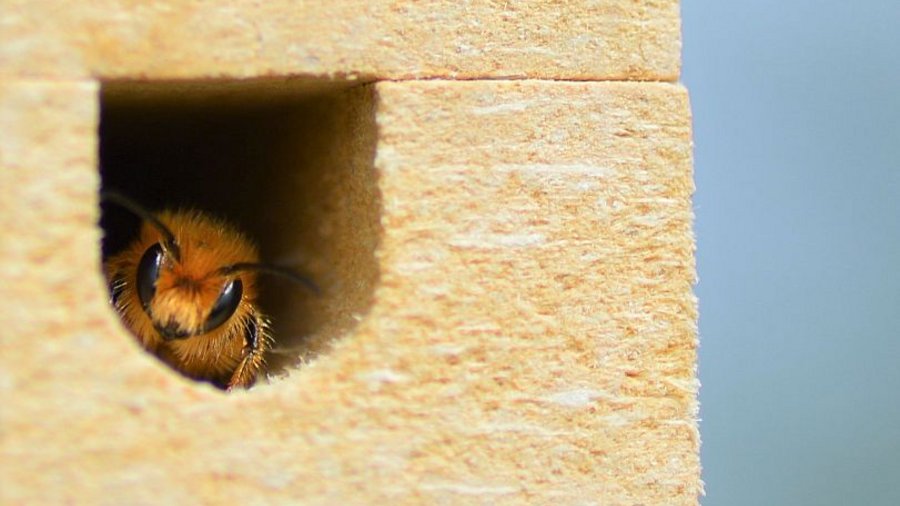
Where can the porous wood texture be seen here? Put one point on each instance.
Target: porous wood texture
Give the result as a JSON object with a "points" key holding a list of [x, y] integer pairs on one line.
{"points": [[531, 338], [384, 39], [509, 316]]}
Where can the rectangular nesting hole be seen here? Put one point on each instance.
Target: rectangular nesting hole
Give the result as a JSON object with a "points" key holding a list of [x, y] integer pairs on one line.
{"points": [[288, 161]]}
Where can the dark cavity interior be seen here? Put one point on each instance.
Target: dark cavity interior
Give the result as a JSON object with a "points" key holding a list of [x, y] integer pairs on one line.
{"points": [[289, 162]]}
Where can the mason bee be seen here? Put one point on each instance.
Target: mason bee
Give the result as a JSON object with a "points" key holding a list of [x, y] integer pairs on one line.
{"points": [[187, 289]]}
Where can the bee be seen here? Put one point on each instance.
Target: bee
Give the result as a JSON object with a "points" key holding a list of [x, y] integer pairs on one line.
{"points": [[187, 289]]}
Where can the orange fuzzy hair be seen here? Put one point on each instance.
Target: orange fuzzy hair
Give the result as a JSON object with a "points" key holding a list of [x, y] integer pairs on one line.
{"points": [[186, 290]]}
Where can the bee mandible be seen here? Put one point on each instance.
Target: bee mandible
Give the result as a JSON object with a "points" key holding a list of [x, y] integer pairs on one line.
{"points": [[187, 289]]}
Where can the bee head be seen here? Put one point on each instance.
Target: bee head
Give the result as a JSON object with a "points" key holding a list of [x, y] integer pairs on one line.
{"points": [[195, 273], [179, 302]]}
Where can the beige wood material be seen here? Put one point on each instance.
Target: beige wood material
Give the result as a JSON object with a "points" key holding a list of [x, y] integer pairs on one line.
{"points": [[381, 39], [530, 337]]}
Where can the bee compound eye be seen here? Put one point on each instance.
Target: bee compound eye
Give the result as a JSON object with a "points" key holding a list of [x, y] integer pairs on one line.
{"points": [[225, 306], [148, 273]]}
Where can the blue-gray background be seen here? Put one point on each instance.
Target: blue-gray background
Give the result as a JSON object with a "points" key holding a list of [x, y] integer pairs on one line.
{"points": [[797, 142]]}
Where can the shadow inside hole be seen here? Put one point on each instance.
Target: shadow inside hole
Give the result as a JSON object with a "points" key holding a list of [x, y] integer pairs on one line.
{"points": [[291, 164]]}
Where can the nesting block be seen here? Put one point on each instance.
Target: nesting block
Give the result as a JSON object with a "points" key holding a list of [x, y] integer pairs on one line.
{"points": [[379, 39], [508, 315]]}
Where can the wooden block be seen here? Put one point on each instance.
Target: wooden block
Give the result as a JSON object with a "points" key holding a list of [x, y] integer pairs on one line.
{"points": [[524, 332], [507, 315], [176, 39]]}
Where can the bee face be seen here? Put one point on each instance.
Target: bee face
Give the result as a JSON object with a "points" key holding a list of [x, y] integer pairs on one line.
{"points": [[177, 300], [186, 288], [178, 311], [183, 300]]}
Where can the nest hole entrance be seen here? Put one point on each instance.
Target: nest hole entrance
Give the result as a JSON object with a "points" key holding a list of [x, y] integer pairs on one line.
{"points": [[290, 162]]}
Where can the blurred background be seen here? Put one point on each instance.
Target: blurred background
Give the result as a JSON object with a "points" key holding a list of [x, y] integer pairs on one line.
{"points": [[797, 141]]}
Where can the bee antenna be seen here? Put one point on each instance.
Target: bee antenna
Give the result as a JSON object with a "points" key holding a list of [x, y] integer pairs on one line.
{"points": [[119, 199], [271, 269]]}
